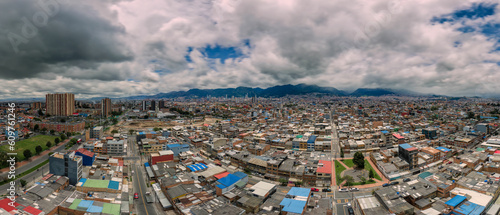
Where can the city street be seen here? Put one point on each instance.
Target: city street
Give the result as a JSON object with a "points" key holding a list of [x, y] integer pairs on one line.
{"points": [[141, 206]]}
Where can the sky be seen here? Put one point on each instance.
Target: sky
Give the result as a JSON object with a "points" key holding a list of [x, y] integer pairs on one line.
{"points": [[122, 48]]}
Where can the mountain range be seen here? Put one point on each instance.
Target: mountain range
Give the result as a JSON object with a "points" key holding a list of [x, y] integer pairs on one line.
{"points": [[275, 91]]}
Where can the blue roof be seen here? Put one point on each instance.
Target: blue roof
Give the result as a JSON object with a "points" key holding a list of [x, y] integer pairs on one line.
{"points": [[169, 146], [229, 180], [221, 186], [197, 167], [113, 185], [240, 175], [405, 146], [85, 204], [94, 209], [146, 164], [443, 149], [142, 133], [455, 200], [153, 132], [470, 208], [312, 139], [298, 191], [293, 206], [83, 180], [424, 175], [384, 132]]}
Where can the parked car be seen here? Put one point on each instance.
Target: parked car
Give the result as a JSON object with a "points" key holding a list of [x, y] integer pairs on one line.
{"points": [[343, 190], [136, 195], [350, 211], [394, 182], [326, 190], [450, 162], [406, 179], [354, 189], [385, 185], [315, 189]]}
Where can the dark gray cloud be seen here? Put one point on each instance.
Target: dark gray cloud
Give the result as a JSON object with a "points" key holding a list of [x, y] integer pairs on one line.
{"points": [[34, 41]]}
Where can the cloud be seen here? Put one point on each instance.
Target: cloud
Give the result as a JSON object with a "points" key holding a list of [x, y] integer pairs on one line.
{"points": [[431, 46]]}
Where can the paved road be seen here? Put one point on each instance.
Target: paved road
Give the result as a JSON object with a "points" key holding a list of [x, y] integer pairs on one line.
{"points": [[142, 207]]}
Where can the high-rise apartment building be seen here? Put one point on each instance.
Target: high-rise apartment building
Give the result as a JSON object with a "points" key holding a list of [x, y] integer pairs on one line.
{"points": [[36, 105], [161, 104], [60, 104], [144, 107], [69, 165], [106, 107], [153, 105]]}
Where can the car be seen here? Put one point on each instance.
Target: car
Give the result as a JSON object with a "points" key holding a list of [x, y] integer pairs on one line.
{"points": [[385, 185], [350, 211], [394, 182], [450, 162], [315, 189], [440, 167], [136, 195], [343, 190], [327, 190], [406, 179], [354, 189]]}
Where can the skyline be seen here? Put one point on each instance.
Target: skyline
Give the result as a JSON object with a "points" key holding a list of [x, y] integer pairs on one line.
{"points": [[127, 48]]}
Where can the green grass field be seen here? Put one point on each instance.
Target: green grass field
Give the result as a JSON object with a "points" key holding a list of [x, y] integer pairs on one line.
{"points": [[339, 168], [348, 162], [30, 144], [369, 167]]}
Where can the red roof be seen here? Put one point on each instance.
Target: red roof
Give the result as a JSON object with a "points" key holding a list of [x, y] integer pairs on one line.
{"points": [[497, 151], [4, 203], [32, 210], [398, 136], [326, 168], [85, 152], [109, 138], [411, 149], [221, 175]]}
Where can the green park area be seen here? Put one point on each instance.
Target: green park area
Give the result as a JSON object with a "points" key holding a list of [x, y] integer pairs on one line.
{"points": [[368, 167], [339, 168], [31, 144]]}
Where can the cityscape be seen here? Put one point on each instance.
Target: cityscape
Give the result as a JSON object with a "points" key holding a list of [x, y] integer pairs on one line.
{"points": [[249, 107]]}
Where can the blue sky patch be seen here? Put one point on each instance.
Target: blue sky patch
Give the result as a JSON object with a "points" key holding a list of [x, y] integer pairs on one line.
{"points": [[219, 52], [476, 11]]}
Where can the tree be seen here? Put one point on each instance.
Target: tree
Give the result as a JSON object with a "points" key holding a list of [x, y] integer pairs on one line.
{"points": [[48, 144], [341, 153], [131, 131], [57, 140], [114, 131], [73, 141], [68, 134], [52, 132], [38, 149], [349, 180], [27, 154], [44, 130], [283, 181], [156, 129], [23, 182], [298, 183], [371, 174], [470, 115], [63, 137], [363, 180], [359, 160], [36, 127], [40, 112]]}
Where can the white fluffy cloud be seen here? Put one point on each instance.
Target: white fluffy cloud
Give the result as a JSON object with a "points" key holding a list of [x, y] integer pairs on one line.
{"points": [[142, 47]]}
